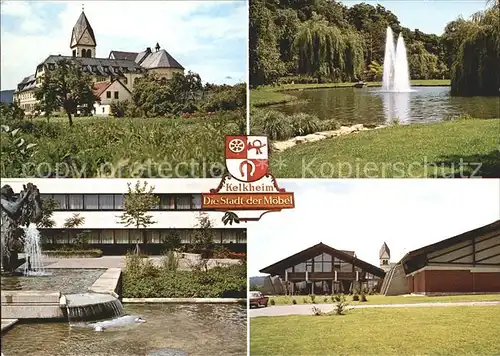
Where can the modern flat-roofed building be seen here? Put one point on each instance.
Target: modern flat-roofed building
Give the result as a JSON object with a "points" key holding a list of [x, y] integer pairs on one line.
{"points": [[100, 203]]}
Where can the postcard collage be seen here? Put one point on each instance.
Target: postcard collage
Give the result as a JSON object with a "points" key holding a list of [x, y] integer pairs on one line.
{"points": [[250, 178]]}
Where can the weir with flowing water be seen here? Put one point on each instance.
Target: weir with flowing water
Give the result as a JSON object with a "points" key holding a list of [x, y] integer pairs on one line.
{"points": [[396, 77]]}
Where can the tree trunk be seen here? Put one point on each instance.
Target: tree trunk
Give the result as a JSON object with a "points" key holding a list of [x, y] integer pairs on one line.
{"points": [[70, 119]]}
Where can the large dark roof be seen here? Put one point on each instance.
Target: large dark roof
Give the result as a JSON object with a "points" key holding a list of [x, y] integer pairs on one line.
{"points": [[27, 83], [160, 59], [99, 62], [130, 56], [81, 25], [419, 253], [317, 249]]}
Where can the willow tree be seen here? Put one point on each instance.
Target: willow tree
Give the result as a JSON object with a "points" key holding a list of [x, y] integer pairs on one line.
{"points": [[475, 70], [325, 52]]}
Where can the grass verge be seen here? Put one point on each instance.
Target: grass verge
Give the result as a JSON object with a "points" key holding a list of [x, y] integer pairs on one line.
{"points": [[459, 148], [403, 331], [382, 299]]}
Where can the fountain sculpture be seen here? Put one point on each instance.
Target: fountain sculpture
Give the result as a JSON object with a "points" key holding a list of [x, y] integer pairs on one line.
{"points": [[396, 76], [18, 218]]}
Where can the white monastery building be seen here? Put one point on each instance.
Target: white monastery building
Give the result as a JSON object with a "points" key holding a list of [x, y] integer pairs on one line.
{"points": [[113, 77]]}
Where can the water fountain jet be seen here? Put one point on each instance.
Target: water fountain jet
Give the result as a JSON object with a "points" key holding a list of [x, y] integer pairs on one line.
{"points": [[396, 76]]}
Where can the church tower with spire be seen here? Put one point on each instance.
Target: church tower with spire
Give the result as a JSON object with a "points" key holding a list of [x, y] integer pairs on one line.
{"points": [[83, 43], [385, 257]]}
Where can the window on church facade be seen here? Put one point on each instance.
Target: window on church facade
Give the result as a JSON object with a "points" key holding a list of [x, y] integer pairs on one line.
{"points": [[116, 95], [108, 95]]}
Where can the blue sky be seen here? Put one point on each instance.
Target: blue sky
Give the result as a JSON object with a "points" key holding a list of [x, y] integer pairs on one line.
{"points": [[429, 16], [362, 214], [206, 37]]}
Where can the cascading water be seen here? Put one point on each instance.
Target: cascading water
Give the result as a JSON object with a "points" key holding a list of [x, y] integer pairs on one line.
{"points": [[33, 252], [396, 76]]}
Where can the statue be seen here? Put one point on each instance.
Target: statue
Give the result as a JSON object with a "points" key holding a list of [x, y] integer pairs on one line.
{"points": [[17, 213]]}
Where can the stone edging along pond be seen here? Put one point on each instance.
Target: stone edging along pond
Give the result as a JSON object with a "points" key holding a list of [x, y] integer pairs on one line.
{"points": [[186, 300], [280, 146]]}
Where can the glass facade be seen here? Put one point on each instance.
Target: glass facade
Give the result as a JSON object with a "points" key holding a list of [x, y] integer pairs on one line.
{"points": [[130, 236], [112, 202]]}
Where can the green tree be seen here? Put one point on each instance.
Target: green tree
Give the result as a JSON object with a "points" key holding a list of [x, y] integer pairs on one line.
{"points": [[66, 87], [375, 71], [203, 236], [137, 204], [475, 69], [73, 222], [264, 56], [48, 207], [172, 240]]}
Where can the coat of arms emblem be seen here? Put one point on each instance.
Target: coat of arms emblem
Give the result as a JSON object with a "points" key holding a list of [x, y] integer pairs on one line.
{"points": [[247, 157]]}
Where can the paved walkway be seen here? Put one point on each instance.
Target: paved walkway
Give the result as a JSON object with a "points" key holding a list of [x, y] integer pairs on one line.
{"points": [[119, 262], [306, 309]]}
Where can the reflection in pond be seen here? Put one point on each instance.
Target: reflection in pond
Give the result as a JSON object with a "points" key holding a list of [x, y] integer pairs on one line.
{"points": [[197, 329], [374, 107]]}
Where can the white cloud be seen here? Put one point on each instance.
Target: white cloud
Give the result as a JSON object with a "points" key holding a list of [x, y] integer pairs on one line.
{"points": [[360, 215], [189, 30]]}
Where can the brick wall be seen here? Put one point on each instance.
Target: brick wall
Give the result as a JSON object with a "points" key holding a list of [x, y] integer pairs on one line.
{"points": [[455, 281]]}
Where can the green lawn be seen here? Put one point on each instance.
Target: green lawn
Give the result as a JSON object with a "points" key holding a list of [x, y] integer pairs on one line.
{"points": [[271, 95], [402, 331], [382, 299], [410, 151]]}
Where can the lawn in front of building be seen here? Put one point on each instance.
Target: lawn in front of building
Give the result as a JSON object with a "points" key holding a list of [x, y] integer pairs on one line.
{"points": [[472, 330], [382, 299]]}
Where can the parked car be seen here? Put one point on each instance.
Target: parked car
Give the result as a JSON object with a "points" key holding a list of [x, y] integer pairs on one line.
{"points": [[257, 299]]}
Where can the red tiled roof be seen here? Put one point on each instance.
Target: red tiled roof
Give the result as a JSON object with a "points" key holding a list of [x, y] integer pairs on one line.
{"points": [[100, 87]]}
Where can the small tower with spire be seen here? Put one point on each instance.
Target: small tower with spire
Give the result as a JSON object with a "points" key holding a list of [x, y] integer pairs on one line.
{"points": [[385, 257], [83, 43], [157, 47]]}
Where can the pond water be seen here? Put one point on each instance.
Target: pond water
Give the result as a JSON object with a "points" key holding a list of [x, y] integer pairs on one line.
{"points": [[373, 106], [196, 329], [59, 280]]}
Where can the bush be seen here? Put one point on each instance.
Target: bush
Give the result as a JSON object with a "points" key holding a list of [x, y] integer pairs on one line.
{"points": [[363, 297], [316, 311], [355, 297], [74, 253], [142, 279], [120, 108], [325, 300], [272, 302], [297, 80], [304, 124], [313, 298], [275, 125], [341, 304], [294, 301], [305, 300], [222, 98]]}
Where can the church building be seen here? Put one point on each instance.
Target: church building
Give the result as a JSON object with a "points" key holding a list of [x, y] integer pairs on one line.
{"points": [[113, 77]]}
